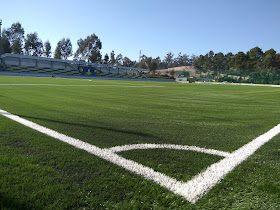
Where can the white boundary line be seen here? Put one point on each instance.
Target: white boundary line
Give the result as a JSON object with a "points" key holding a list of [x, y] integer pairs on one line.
{"points": [[191, 190]]}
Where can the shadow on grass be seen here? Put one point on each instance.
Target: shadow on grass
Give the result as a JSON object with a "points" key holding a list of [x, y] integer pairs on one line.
{"points": [[93, 126], [11, 203]]}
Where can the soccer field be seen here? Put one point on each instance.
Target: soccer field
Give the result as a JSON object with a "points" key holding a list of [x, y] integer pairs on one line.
{"points": [[142, 143]]}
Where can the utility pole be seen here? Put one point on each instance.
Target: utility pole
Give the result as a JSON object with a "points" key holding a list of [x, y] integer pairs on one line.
{"points": [[0, 38]]}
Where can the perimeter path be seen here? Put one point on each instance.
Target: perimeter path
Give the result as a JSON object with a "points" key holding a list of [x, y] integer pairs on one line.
{"points": [[192, 190]]}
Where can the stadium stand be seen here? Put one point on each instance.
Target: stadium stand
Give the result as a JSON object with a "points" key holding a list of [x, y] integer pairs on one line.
{"points": [[21, 64]]}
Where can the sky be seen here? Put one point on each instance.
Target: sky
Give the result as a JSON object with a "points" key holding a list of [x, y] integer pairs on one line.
{"points": [[155, 27]]}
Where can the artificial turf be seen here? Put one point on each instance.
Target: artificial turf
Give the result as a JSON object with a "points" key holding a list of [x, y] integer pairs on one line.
{"points": [[39, 172]]}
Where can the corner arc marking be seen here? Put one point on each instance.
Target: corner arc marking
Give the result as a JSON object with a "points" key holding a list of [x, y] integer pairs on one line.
{"points": [[168, 146]]}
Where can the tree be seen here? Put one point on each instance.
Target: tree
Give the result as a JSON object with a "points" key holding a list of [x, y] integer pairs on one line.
{"points": [[15, 36], [112, 58], [106, 59], [192, 59], [277, 61], [89, 49], [127, 62], [47, 49], [63, 49], [66, 48], [33, 45], [5, 45], [269, 60], [145, 62], [199, 64], [119, 60], [254, 58], [206, 63], [169, 59], [218, 63], [153, 65], [57, 52], [182, 60], [227, 59], [238, 61], [211, 60]]}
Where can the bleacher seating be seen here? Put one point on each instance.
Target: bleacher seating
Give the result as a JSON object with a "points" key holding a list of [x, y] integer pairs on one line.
{"points": [[74, 72], [2, 68], [28, 69]]}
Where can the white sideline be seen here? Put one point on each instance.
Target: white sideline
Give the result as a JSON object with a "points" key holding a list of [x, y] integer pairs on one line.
{"points": [[168, 146], [191, 190]]}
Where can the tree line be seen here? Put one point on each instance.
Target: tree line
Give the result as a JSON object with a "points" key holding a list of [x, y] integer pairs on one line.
{"points": [[253, 66]]}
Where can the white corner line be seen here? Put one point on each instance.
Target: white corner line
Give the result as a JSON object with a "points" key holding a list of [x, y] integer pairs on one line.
{"points": [[203, 182], [168, 146], [192, 190]]}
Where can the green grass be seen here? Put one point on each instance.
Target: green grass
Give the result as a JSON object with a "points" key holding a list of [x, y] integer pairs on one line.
{"points": [[39, 172], [173, 163]]}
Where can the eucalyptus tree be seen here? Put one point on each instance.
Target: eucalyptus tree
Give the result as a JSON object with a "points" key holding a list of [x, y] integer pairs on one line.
{"points": [[5, 45], [63, 49], [153, 65], [112, 58], [33, 45], [182, 60], [47, 49], [15, 36], [106, 59], [169, 59], [119, 60], [89, 49], [127, 62]]}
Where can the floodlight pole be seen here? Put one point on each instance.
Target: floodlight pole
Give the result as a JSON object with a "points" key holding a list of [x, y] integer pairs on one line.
{"points": [[139, 59], [0, 38]]}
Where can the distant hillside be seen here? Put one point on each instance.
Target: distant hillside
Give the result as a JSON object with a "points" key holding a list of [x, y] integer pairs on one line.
{"points": [[178, 70]]}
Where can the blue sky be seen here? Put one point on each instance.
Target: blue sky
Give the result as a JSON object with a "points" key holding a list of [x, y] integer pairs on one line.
{"points": [[153, 26]]}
